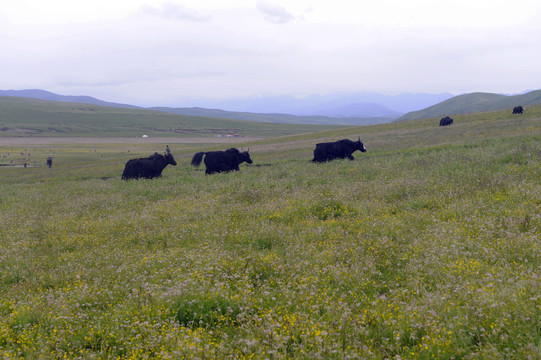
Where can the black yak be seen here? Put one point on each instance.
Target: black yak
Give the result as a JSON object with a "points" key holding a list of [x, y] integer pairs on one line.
{"points": [[221, 161], [446, 121], [149, 167], [340, 149], [517, 110]]}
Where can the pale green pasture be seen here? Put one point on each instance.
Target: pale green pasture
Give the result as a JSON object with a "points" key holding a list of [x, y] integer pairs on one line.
{"points": [[427, 246]]}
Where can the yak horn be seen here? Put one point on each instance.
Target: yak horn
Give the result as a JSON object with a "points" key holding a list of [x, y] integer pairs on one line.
{"points": [[167, 150]]}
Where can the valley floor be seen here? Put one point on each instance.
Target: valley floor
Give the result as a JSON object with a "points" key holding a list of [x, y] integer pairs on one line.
{"points": [[122, 140]]}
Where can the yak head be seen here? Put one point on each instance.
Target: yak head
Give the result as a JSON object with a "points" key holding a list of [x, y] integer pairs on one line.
{"points": [[245, 156], [169, 157], [360, 145]]}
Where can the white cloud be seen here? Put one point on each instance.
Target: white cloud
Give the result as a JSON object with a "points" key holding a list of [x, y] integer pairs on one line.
{"points": [[276, 14]]}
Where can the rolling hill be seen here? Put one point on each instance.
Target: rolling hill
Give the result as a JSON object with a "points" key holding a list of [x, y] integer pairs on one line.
{"points": [[31, 117], [49, 96], [275, 118], [475, 102]]}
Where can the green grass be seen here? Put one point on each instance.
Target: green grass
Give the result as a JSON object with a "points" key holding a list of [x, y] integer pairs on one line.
{"points": [[427, 246]]}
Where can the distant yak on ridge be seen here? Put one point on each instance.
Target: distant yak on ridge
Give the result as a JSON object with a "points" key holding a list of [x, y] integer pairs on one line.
{"points": [[446, 121], [517, 110]]}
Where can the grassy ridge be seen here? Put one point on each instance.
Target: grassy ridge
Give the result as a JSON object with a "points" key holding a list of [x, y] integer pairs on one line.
{"points": [[30, 117], [427, 246], [476, 102]]}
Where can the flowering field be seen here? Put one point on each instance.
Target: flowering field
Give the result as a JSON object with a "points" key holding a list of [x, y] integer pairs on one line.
{"points": [[427, 246]]}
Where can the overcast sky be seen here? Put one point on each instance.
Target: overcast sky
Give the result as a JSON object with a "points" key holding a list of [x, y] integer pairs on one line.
{"points": [[152, 52]]}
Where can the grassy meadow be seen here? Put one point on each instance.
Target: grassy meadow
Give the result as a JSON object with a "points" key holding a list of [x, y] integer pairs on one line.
{"points": [[425, 247]]}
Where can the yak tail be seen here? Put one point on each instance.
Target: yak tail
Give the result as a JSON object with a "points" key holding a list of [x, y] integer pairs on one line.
{"points": [[197, 158]]}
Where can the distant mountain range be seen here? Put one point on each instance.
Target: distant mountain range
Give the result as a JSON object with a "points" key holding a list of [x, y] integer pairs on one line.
{"points": [[338, 109], [353, 110], [475, 102], [361, 103]]}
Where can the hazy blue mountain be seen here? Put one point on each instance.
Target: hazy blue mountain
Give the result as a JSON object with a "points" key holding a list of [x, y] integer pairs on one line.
{"points": [[475, 102], [401, 103], [275, 118], [353, 110], [324, 104], [49, 96]]}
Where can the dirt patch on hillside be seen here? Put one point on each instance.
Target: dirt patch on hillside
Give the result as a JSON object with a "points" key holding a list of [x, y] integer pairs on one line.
{"points": [[21, 130]]}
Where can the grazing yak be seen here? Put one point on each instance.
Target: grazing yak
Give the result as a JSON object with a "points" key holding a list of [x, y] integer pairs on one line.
{"points": [[341, 149], [221, 161], [446, 121], [517, 110], [149, 167]]}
